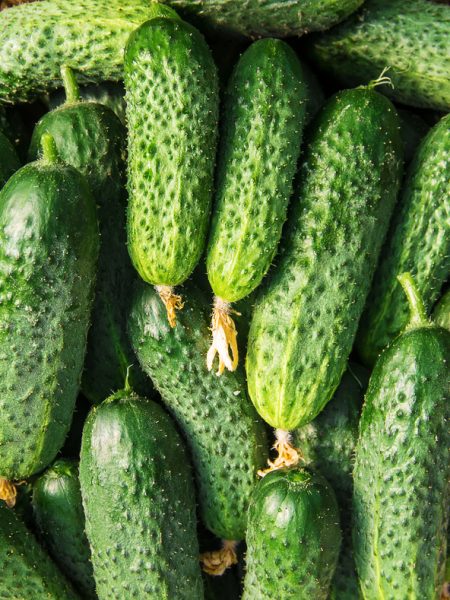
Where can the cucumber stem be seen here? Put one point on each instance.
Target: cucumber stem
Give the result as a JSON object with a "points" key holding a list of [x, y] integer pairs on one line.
{"points": [[49, 149], [383, 79], [217, 562], [127, 386], [70, 85], [287, 454], [418, 316], [172, 302]]}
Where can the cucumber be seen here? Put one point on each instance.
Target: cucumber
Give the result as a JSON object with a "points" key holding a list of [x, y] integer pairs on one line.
{"points": [[226, 438], [27, 571], [59, 516], [401, 475], [37, 39], [108, 93], [412, 130], [441, 314], [48, 254], [418, 242], [306, 314], [138, 497], [172, 113], [9, 161], [390, 34], [91, 138], [293, 537]]}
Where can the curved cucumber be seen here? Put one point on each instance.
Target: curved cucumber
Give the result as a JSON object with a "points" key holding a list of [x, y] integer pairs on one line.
{"points": [[441, 314], [293, 537], [389, 34], [306, 315], [59, 515], [48, 254], [401, 475], [139, 501], [226, 438], [9, 161], [417, 241]]}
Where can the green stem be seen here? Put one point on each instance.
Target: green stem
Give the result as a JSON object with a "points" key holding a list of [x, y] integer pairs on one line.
{"points": [[49, 149], [70, 85], [418, 316], [127, 386]]}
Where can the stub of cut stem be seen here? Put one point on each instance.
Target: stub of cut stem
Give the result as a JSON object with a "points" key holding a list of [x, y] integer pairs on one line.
{"points": [[224, 338], [8, 492], [172, 302], [287, 454], [217, 562]]}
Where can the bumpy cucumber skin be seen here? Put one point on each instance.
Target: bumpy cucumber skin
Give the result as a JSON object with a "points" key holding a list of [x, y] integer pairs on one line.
{"points": [[268, 17], [293, 537], [139, 501], [91, 138], [172, 113], [9, 161], [307, 312], [59, 515], [401, 474], [37, 39], [108, 93], [260, 145], [48, 254], [417, 242], [389, 34], [441, 314], [27, 571], [227, 439]]}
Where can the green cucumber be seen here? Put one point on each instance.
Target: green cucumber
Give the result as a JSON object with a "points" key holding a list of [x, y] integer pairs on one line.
{"points": [[293, 537], [27, 571], [172, 113], [402, 472], [59, 516], [9, 161], [91, 138], [307, 312], [38, 38], [412, 130], [227, 440], [139, 501], [108, 93], [48, 254], [441, 313], [418, 242], [411, 38]]}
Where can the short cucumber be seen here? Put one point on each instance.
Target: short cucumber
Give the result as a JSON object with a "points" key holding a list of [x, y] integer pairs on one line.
{"points": [[172, 113], [27, 571], [402, 472], [293, 537], [59, 515], [307, 312], [417, 241], [139, 501], [226, 438], [441, 314], [48, 254], [37, 38], [9, 161], [108, 93]]}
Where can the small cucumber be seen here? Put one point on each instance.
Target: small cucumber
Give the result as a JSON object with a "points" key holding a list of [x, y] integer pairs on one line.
{"points": [[48, 253], [441, 314], [9, 161], [59, 515], [293, 537], [418, 241], [307, 312], [27, 571], [108, 93], [262, 130], [172, 113], [227, 440], [139, 501], [402, 472]]}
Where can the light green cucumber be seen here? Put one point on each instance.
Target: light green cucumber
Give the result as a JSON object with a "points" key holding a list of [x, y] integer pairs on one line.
{"points": [[441, 314]]}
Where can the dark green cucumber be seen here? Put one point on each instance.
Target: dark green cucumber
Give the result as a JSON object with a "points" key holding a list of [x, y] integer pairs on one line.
{"points": [[402, 472], [293, 537], [388, 34], [59, 515], [307, 312], [139, 501], [9, 161], [91, 138], [226, 438], [441, 314], [412, 130], [48, 254], [108, 93], [26, 570], [417, 241]]}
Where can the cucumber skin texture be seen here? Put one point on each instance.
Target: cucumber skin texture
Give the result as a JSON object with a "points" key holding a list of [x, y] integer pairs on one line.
{"points": [[172, 112], [441, 313], [300, 337], [37, 39], [108, 93], [390, 33], [139, 501], [226, 438], [256, 18], [91, 138], [262, 126], [27, 571], [401, 474], [48, 255], [9, 161], [417, 242], [293, 537], [58, 512]]}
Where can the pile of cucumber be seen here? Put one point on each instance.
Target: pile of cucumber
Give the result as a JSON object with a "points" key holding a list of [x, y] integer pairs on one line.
{"points": [[224, 300]]}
